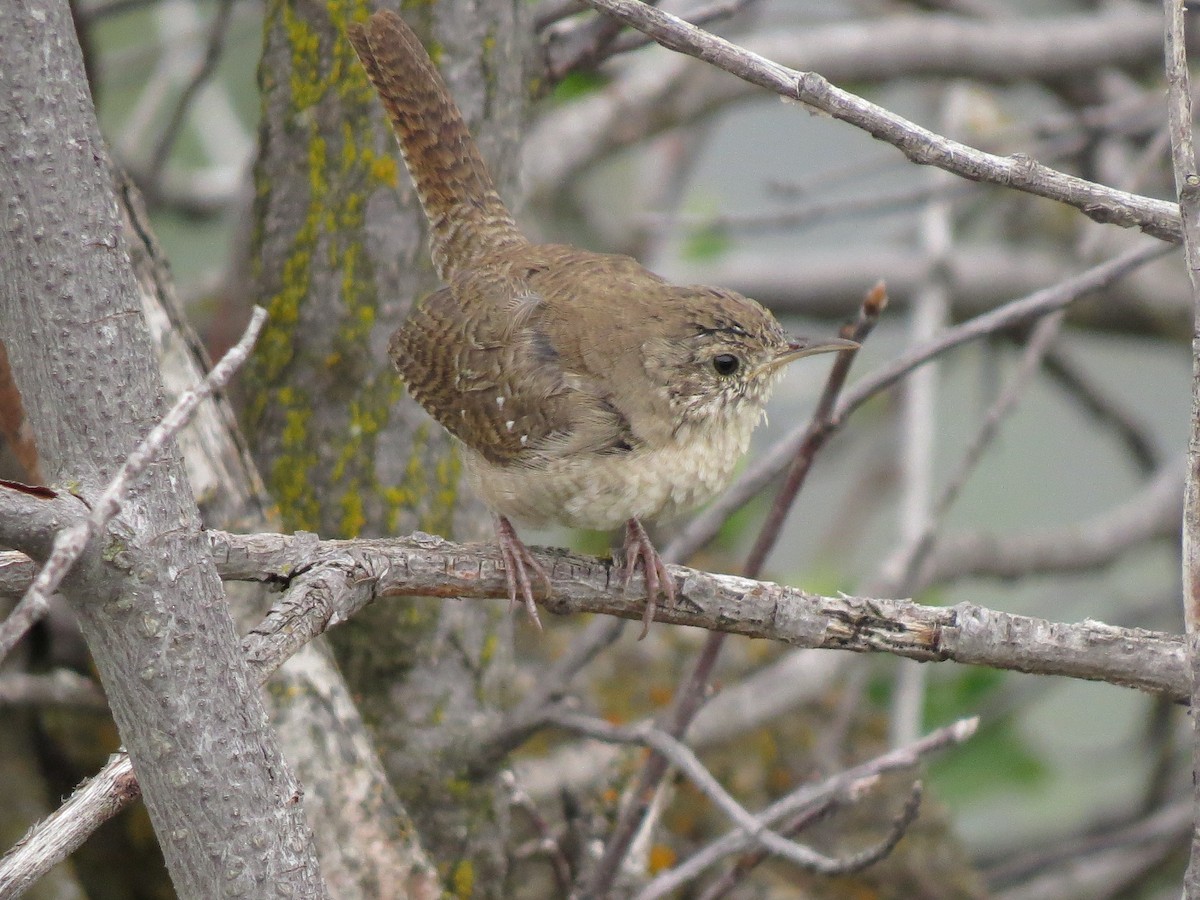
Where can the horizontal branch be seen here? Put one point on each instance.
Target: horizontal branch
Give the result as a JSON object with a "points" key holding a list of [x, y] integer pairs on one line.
{"points": [[327, 582], [425, 565], [334, 579]]}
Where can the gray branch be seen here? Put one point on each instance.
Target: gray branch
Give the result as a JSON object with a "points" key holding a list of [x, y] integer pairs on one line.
{"points": [[340, 576], [922, 146], [329, 581]]}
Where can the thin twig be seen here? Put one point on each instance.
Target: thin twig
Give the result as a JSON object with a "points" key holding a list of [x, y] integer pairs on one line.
{"points": [[70, 543], [57, 836], [717, 11], [1098, 202], [1187, 185], [844, 784], [740, 869], [547, 844], [587, 44], [682, 758], [850, 864], [579, 46]]}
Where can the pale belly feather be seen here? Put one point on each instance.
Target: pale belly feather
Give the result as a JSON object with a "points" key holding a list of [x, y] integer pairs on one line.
{"points": [[603, 491]]}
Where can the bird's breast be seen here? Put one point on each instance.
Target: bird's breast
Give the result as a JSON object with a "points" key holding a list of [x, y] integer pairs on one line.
{"points": [[602, 490]]}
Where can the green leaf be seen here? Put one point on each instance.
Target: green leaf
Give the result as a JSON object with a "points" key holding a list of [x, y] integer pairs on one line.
{"points": [[705, 244], [578, 84]]}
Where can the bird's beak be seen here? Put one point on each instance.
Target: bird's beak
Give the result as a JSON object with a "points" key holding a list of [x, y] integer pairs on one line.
{"points": [[809, 347]]}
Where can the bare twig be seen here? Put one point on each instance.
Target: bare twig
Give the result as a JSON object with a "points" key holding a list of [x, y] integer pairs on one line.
{"points": [[844, 784], [716, 11], [547, 844], [750, 859], [680, 756], [662, 91], [817, 431], [921, 146], [71, 542], [856, 862], [62, 832], [591, 41], [1187, 185], [580, 45]]}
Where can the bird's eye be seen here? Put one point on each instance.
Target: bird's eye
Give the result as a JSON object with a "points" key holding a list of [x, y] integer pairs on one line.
{"points": [[726, 364]]}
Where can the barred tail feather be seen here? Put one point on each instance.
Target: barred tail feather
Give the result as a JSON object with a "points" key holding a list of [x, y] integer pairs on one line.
{"points": [[467, 218]]}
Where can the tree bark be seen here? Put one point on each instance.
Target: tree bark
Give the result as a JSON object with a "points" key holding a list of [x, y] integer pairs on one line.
{"points": [[146, 594], [366, 842], [340, 255]]}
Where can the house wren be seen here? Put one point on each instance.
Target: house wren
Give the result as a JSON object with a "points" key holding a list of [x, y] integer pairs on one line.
{"points": [[584, 389]]}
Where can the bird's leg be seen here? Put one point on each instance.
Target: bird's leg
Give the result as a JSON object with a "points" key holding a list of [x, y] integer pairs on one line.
{"points": [[518, 561], [638, 548]]}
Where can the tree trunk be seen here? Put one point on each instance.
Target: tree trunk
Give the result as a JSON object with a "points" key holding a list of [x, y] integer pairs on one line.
{"points": [[367, 844], [146, 594], [340, 255]]}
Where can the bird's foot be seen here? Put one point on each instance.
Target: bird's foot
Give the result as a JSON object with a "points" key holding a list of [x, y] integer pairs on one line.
{"points": [[518, 562], [638, 548]]}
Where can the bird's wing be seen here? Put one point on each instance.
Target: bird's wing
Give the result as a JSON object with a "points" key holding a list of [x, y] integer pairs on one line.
{"points": [[477, 355]]}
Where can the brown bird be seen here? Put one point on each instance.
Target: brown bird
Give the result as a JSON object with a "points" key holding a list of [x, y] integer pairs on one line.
{"points": [[585, 390]]}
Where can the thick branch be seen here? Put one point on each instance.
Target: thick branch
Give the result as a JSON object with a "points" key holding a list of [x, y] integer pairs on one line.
{"points": [[340, 577], [329, 581], [146, 597], [424, 565]]}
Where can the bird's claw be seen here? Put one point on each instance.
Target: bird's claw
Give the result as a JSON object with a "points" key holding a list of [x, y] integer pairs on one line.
{"points": [[639, 548], [518, 562]]}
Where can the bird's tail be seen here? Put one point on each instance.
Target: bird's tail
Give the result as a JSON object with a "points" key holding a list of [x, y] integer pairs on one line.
{"points": [[467, 218]]}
